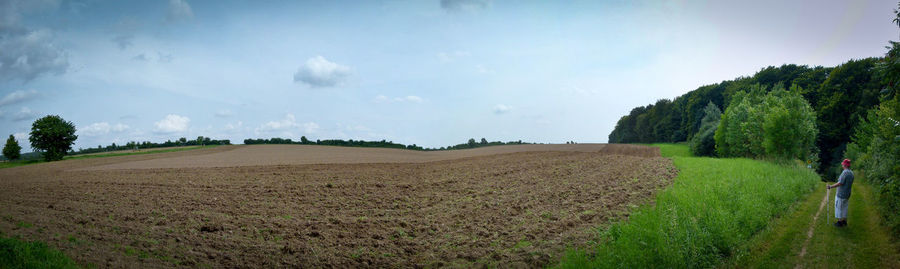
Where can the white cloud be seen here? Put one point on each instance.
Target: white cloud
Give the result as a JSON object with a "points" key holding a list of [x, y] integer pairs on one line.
{"points": [[172, 124], [22, 138], [483, 70], [18, 97], [179, 10], [119, 127], [102, 128], [464, 5], [446, 57], [408, 98], [319, 72], [310, 127], [502, 109], [25, 114], [234, 126], [287, 126], [224, 113]]}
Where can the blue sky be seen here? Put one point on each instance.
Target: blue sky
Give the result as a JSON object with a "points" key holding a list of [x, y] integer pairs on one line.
{"points": [[432, 73]]}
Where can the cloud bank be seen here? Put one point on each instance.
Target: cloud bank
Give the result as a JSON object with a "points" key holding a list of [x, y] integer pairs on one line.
{"points": [[18, 97]]}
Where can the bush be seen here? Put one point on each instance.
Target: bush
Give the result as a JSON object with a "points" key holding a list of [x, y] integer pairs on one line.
{"points": [[780, 125]]}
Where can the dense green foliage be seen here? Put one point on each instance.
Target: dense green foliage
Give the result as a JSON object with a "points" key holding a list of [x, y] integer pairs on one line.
{"points": [[876, 142], [133, 145], [15, 253], [704, 143], [780, 125], [53, 136], [377, 144], [713, 207], [12, 150], [838, 95]]}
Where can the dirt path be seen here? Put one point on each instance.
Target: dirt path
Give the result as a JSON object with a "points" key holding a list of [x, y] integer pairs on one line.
{"points": [[793, 242], [812, 227]]}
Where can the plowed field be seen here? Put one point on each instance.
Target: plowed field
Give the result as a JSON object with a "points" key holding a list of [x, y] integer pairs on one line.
{"points": [[309, 206]]}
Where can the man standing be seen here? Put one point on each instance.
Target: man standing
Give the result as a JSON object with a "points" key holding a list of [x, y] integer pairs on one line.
{"points": [[842, 196]]}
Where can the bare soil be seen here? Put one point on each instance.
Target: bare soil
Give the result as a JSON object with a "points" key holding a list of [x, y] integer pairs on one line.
{"points": [[508, 207]]}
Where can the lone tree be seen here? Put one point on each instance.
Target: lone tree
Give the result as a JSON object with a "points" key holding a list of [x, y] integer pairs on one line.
{"points": [[53, 136], [12, 150]]}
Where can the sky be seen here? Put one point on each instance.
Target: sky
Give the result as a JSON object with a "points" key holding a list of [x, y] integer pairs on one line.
{"points": [[430, 72]]}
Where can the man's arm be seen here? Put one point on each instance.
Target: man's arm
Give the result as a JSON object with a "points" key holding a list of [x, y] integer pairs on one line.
{"points": [[835, 185], [840, 181]]}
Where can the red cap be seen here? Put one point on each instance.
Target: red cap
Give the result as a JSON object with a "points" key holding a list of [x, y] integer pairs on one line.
{"points": [[846, 162]]}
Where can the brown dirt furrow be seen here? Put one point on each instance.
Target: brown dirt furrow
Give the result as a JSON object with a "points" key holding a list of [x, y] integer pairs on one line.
{"points": [[511, 210], [255, 155]]}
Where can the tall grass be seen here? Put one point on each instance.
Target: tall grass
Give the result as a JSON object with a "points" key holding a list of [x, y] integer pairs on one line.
{"points": [[15, 253], [713, 207]]}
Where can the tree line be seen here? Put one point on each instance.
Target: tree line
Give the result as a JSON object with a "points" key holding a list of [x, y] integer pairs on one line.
{"points": [[377, 144], [839, 96], [134, 145]]}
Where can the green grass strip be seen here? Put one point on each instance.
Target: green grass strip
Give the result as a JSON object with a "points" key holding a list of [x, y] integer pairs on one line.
{"points": [[104, 155], [864, 244], [713, 207], [114, 154], [15, 253]]}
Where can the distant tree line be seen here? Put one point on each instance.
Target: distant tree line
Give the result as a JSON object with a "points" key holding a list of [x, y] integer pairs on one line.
{"points": [[376, 144], [483, 143], [134, 145], [332, 142]]}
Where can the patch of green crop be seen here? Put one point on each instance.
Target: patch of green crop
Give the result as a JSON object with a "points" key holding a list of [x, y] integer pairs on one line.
{"points": [[713, 206], [15, 253]]}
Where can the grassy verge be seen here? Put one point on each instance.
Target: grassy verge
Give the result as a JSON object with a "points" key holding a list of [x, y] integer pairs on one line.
{"points": [[17, 163], [865, 243], [711, 210], [103, 155], [15, 253]]}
